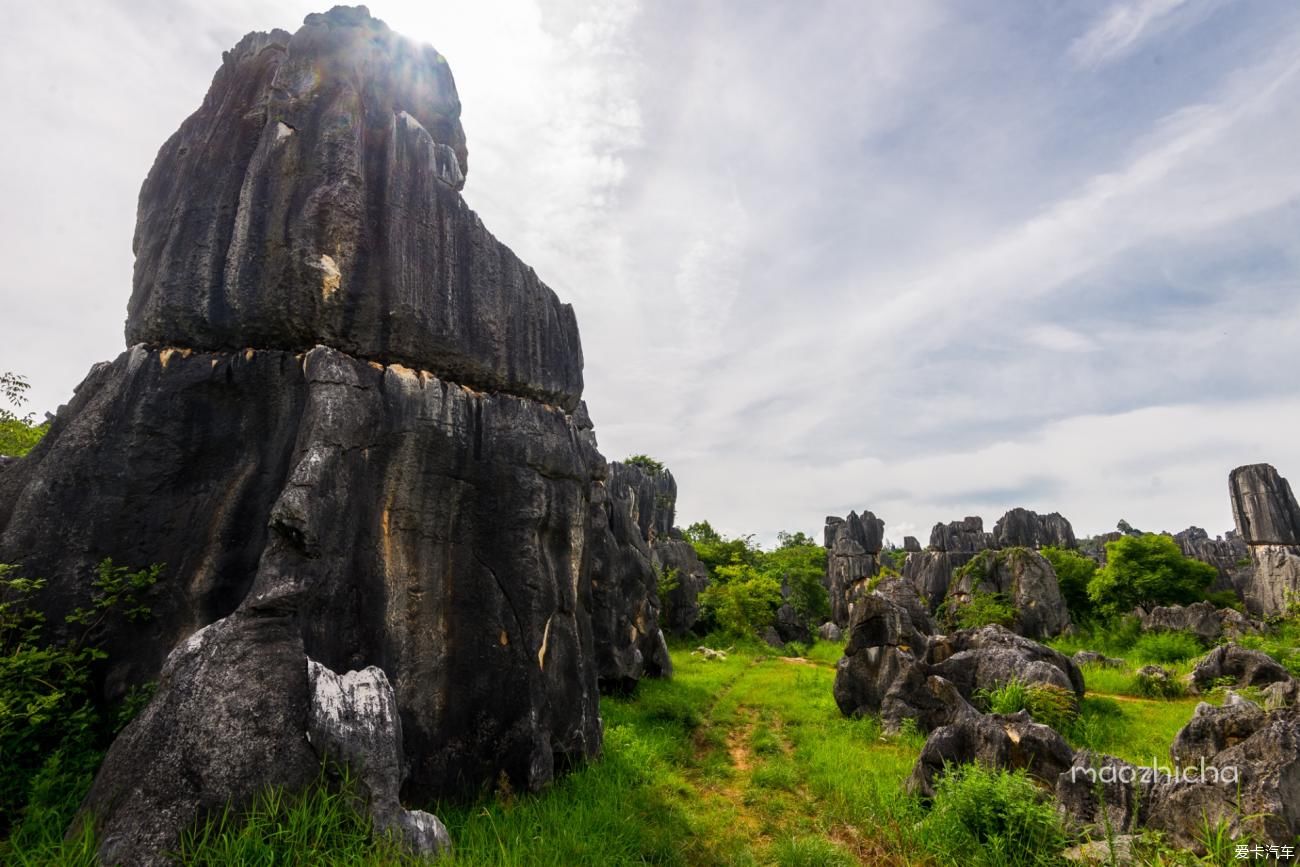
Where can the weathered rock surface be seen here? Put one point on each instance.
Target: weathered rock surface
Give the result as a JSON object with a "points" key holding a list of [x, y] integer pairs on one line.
{"points": [[964, 536], [889, 668], [435, 532], [625, 603], [1243, 666], [1200, 618], [1213, 729], [1264, 506], [1092, 657], [903, 593], [681, 606], [1104, 794], [930, 572], [828, 631], [911, 544], [853, 548], [1021, 528], [1025, 579], [1230, 555], [348, 401], [308, 153], [1005, 741], [1272, 584]]}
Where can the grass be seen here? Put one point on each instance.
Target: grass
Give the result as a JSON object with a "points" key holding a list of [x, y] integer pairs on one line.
{"points": [[743, 761]]}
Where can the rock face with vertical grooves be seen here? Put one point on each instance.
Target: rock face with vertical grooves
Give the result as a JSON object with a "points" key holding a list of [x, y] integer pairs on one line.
{"points": [[350, 428], [268, 220], [853, 557], [625, 575], [1268, 521], [1021, 528]]}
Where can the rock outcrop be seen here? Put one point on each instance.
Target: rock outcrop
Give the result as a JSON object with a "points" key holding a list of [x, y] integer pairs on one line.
{"points": [[1022, 578], [1021, 528], [687, 577], [1239, 666], [965, 536], [625, 576], [1001, 741], [1230, 556], [351, 429], [853, 549], [1268, 521], [1201, 619], [890, 668]]}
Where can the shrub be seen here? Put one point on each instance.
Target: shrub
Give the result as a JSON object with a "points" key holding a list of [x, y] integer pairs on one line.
{"points": [[1047, 703], [741, 601], [1148, 570], [1074, 572], [49, 723], [1167, 647], [649, 465], [982, 609], [18, 434], [1158, 685], [993, 817]]}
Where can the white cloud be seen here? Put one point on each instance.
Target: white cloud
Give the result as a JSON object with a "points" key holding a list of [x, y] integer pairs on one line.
{"points": [[1121, 28]]}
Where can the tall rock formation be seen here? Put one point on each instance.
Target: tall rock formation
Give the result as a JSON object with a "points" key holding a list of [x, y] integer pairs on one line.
{"points": [[349, 420], [626, 517], [1268, 521], [1229, 556], [1021, 528], [853, 550]]}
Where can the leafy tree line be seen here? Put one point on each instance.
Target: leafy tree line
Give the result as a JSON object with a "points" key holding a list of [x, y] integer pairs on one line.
{"points": [[745, 592], [18, 434]]}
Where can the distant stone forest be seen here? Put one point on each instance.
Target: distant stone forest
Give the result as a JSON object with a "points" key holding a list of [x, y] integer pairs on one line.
{"points": [[341, 499]]}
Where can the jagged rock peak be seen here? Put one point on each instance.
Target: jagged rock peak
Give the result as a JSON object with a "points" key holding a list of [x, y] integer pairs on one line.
{"points": [[1021, 528], [1264, 506], [964, 536], [312, 199]]}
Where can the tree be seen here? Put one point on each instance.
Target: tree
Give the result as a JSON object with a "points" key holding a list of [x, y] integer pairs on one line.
{"points": [[649, 465], [716, 550], [1147, 570], [18, 434], [801, 568], [1074, 572], [741, 600], [800, 539]]}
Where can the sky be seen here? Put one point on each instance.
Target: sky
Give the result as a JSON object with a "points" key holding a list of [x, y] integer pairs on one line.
{"points": [[931, 259]]}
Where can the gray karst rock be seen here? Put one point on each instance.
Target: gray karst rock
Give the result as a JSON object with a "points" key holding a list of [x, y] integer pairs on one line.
{"points": [[853, 548], [1244, 667], [1092, 657], [625, 578], [351, 430], [828, 631], [964, 536], [689, 576], [306, 151], [1006, 741], [1230, 555], [911, 544], [889, 668], [1272, 583], [902, 592], [1021, 577], [930, 572], [1200, 618], [1280, 694], [1021, 528], [1263, 506], [1213, 729], [1105, 795], [1007, 652]]}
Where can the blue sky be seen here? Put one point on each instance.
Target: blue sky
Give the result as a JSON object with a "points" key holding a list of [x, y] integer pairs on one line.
{"points": [[929, 259]]}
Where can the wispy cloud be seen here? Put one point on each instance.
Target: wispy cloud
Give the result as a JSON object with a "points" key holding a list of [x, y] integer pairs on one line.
{"points": [[1121, 28]]}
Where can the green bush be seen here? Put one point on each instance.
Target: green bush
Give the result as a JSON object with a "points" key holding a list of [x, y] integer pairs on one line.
{"points": [[1074, 572], [1147, 570], [1167, 647], [741, 601], [982, 609], [1047, 703], [50, 729], [1158, 686], [649, 465], [982, 816], [18, 434]]}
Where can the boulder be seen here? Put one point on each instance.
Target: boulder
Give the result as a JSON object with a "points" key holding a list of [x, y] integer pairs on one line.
{"points": [[1009, 655], [1264, 506], [828, 631], [1213, 729], [1201, 619], [1105, 795], [883, 647], [790, 627], [1021, 528], [903, 593], [1092, 657], [1240, 665], [1280, 694], [1000, 741], [965, 536], [688, 577], [1022, 577]]}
